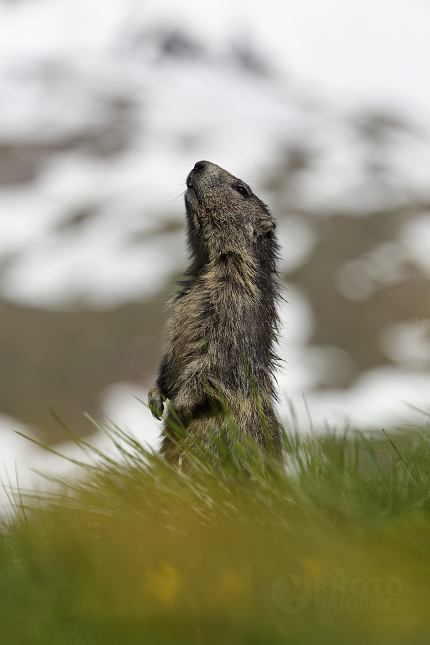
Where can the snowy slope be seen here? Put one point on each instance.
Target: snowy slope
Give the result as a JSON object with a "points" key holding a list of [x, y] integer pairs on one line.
{"points": [[109, 103]]}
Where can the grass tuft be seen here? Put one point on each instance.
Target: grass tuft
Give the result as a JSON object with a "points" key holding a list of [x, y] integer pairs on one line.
{"points": [[331, 546]]}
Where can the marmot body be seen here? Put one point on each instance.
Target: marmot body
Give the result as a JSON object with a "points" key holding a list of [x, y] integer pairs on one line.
{"points": [[221, 333]]}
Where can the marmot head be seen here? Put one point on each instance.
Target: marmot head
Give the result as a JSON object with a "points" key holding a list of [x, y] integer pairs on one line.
{"points": [[224, 215]]}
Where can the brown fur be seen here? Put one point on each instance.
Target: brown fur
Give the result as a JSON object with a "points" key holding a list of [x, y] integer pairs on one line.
{"points": [[221, 333]]}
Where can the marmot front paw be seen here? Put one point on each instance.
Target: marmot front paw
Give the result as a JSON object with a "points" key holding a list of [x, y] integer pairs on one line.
{"points": [[155, 401]]}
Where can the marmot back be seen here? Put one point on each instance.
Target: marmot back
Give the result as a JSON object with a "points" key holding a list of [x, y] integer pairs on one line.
{"points": [[223, 326]]}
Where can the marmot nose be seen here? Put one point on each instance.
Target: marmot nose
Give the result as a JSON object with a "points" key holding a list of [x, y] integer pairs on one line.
{"points": [[200, 165]]}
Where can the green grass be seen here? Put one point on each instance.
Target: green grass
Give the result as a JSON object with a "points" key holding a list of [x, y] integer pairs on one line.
{"points": [[335, 548]]}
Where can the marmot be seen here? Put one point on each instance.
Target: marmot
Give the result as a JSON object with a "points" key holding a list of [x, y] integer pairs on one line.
{"points": [[220, 338]]}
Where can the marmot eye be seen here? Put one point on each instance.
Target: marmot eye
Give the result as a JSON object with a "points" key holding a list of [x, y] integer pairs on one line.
{"points": [[242, 190]]}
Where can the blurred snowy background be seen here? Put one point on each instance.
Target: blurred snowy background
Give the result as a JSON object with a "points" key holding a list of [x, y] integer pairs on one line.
{"points": [[322, 106]]}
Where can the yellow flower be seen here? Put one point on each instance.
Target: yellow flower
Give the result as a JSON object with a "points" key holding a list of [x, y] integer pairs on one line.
{"points": [[314, 567], [163, 583], [233, 585]]}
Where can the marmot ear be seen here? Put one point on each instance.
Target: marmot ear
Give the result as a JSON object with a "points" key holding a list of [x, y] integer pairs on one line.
{"points": [[265, 224]]}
